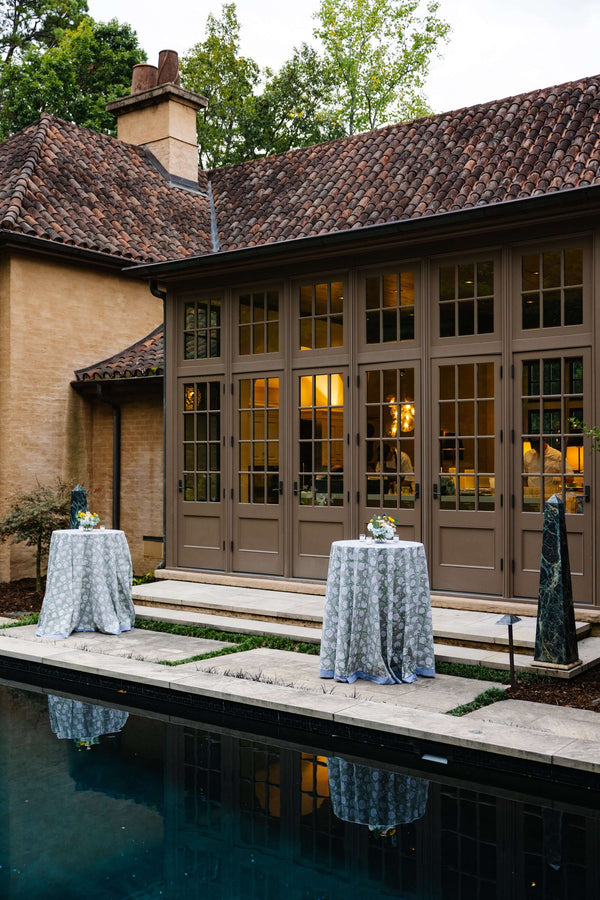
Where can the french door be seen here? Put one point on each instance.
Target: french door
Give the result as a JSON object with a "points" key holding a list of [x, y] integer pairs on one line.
{"points": [[200, 507], [468, 489], [321, 489], [390, 447], [551, 389], [257, 491]]}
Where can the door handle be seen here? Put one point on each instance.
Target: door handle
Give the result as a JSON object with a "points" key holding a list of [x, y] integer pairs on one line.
{"points": [[587, 494], [296, 488], [180, 486], [436, 491], [417, 490], [281, 487]]}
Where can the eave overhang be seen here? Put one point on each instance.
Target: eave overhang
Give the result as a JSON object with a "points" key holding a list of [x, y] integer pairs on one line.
{"points": [[495, 216]]}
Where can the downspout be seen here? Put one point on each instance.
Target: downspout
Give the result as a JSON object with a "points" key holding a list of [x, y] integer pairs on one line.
{"points": [[116, 486], [162, 295]]}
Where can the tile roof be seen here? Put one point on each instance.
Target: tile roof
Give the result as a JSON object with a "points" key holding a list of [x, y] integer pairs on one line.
{"points": [[143, 359], [65, 183], [532, 144], [68, 184]]}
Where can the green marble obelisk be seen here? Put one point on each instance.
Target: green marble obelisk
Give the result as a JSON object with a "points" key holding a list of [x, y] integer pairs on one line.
{"points": [[555, 639], [78, 504]]}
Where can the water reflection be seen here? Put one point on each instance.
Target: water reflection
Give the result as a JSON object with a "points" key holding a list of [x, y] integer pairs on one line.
{"points": [[375, 797], [83, 723]]}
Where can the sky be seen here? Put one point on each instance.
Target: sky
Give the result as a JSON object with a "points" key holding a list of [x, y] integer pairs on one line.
{"points": [[497, 47]]}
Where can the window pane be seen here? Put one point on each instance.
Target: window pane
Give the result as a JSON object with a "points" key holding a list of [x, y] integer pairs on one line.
{"points": [[390, 291], [321, 300], [447, 286], [372, 293], [306, 306], [530, 311], [245, 346], [466, 280], [447, 320], [530, 272], [485, 316], [466, 317], [573, 306], [337, 297], [574, 266], [485, 278], [551, 309], [373, 328], [244, 309], [551, 271]]}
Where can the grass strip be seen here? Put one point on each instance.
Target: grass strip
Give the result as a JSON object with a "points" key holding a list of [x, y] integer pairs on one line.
{"points": [[242, 641], [30, 619], [486, 698], [482, 673]]}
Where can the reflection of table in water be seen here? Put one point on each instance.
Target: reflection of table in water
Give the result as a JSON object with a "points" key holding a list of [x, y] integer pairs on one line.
{"points": [[88, 587], [83, 722], [375, 797], [377, 616]]}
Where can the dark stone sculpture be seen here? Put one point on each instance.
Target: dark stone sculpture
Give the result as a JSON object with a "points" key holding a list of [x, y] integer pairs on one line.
{"points": [[555, 638], [78, 504]]}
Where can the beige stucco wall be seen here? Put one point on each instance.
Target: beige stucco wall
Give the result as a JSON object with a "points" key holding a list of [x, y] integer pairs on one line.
{"points": [[55, 318]]}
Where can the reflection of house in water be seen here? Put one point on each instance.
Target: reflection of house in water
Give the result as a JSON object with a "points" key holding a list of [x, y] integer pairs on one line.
{"points": [[199, 812]]}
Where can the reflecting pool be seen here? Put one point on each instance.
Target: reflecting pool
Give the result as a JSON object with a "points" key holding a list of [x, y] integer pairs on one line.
{"points": [[103, 803]]}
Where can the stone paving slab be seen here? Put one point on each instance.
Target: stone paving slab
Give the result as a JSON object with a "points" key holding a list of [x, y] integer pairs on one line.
{"points": [[281, 680], [151, 646]]}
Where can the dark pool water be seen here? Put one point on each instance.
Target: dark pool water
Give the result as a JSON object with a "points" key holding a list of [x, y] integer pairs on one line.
{"points": [[102, 804]]}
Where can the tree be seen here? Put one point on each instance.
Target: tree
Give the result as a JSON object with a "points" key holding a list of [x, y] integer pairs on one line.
{"points": [[90, 65], [27, 22], [215, 69], [292, 110], [34, 516], [378, 53]]}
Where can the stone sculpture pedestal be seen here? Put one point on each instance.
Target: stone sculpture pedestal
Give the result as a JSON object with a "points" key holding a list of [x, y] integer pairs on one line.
{"points": [[555, 637]]}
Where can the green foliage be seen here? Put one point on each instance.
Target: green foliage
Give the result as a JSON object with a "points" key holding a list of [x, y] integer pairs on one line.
{"points": [[591, 431], [215, 69], [33, 517], [292, 109], [378, 53], [148, 578], [486, 698], [24, 23], [90, 65], [29, 619]]}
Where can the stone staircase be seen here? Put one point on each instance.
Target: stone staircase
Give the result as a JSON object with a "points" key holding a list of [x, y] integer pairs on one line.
{"points": [[259, 607]]}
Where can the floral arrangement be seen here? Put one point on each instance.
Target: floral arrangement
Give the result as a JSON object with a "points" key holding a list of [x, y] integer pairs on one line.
{"points": [[87, 519], [382, 527]]}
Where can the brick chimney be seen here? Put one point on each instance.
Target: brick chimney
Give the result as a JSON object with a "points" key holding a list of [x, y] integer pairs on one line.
{"points": [[161, 116]]}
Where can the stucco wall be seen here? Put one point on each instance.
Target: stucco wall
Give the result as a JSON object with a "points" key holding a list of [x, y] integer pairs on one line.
{"points": [[56, 318]]}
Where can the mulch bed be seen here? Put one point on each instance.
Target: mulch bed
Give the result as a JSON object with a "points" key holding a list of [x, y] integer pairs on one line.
{"points": [[582, 692]]}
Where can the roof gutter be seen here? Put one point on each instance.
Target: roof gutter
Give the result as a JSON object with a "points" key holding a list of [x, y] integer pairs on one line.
{"points": [[559, 203]]}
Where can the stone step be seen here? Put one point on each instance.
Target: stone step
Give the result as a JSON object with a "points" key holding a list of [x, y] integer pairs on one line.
{"points": [[493, 657], [305, 611]]}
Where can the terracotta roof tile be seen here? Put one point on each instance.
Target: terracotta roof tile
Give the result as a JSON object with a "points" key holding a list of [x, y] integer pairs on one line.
{"points": [[542, 141], [68, 184], [143, 359]]}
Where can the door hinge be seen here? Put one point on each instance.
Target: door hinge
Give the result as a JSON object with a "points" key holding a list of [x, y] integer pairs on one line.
{"points": [[357, 439], [348, 496], [232, 440], [358, 496], [223, 546], [587, 493], [347, 380], [417, 490], [512, 566], [512, 435], [502, 564], [358, 381], [512, 501], [232, 546], [348, 438], [231, 387], [231, 493], [512, 371], [501, 372], [502, 435], [501, 499]]}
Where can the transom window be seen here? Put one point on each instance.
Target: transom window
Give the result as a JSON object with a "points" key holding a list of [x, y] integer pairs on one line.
{"points": [[321, 315], [202, 441], [552, 289], [202, 328], [259, 322], [259, 440], [390, 308], [321, 477], [466, 299]]}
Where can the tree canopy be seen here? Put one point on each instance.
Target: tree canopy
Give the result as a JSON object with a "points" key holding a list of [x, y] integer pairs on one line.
{"points": [[90, 65], [24, 23], [377, 53]]}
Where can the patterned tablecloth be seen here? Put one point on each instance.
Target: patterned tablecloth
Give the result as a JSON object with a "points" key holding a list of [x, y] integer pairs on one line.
{"points": [[88, 587], [375, 797], [83, 722], [377, 617]]}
